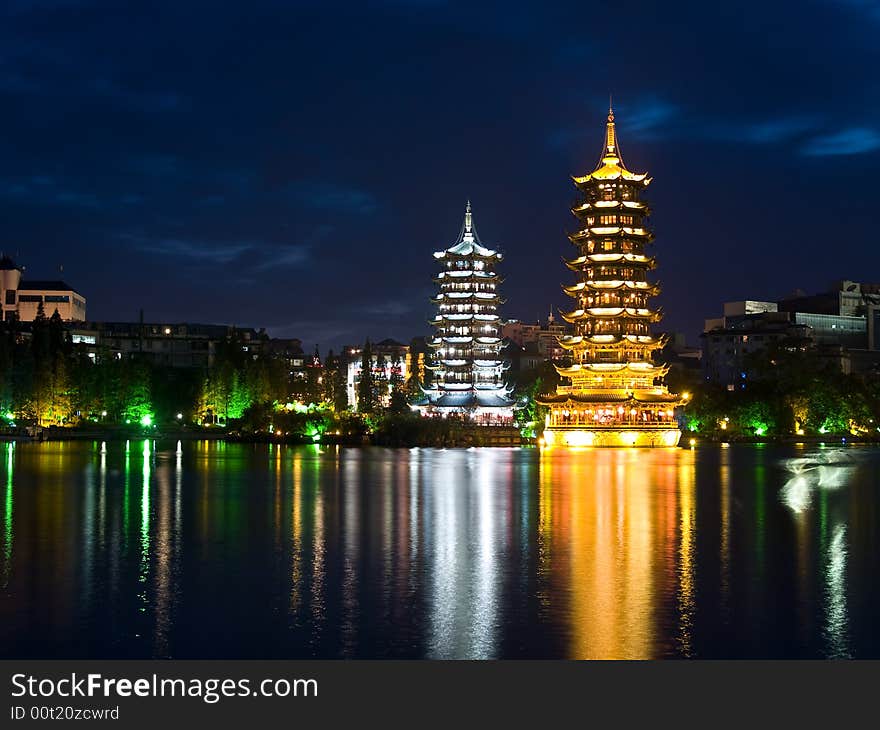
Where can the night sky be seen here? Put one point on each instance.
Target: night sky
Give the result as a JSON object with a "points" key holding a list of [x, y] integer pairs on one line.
{"points": [[294, 165]]}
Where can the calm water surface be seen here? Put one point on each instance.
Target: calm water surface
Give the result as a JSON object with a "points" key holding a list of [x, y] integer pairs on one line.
{"points": [[201, 550]]}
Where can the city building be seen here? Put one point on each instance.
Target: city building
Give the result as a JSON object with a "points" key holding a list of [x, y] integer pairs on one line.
{"points": [[390, 362], [544, 336], [469, 372], [290, 350], [729, 343], [24, 298], [845, 298], [177, 345], [614, 396], [838, 325]]}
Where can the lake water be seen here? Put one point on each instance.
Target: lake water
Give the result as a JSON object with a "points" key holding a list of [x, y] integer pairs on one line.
{"points": [[213, 550]]}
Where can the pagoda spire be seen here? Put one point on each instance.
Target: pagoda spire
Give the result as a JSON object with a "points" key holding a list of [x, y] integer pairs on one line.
{"points": [[610, 151], [468, 231]]}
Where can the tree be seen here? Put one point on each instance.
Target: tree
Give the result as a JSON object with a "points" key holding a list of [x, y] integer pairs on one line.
{"points": [[366, 394], [335, 385], [399, 401]]}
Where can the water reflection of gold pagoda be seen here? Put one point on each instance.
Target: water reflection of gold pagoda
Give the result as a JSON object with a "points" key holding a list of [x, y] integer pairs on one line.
{"points": [[615, 396]]}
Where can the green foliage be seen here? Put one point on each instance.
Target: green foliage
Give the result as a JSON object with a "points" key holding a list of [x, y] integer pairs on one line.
{"points": [[528, 414], [787, 393]]}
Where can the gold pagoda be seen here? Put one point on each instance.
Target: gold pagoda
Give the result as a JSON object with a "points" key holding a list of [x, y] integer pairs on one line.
{"points": [[615, 395]]}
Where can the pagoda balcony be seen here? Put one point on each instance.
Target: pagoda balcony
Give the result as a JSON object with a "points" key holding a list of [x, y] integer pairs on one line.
{"points": [[616, 425], [456, 297], [586, 261], [466, 276], [611, 418]]}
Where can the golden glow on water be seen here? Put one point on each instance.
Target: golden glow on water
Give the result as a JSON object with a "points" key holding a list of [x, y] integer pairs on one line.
{"points": [[687, 598], [603, 535], [724, 482], [295, 532]]}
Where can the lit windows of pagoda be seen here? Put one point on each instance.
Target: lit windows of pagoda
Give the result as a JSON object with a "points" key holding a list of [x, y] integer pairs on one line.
{"points": [[467, 365], [615, 395]]}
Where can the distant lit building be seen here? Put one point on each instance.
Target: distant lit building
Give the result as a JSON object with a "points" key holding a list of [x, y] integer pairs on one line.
{"points": [[389, 361], [544, 336], [24, 298]]}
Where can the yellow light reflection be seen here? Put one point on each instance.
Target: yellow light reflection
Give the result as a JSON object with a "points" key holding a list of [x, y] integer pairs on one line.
{"points": [[608, 519]]}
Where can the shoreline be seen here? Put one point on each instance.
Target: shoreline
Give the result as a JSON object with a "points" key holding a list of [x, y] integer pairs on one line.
{"points": [[687, 441]]}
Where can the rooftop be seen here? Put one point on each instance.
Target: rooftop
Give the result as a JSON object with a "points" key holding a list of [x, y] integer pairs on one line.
{"points": [[40, 285]]}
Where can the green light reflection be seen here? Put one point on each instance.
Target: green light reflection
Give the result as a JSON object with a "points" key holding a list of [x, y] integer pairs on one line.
{"points": [[7, 513], [145, 526]]}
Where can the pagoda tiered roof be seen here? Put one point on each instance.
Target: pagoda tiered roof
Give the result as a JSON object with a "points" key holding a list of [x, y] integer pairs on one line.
{"points": [[610, 231], [466, 276], [456, 297], [581, 315], [604, 206], [497, 398], [600, 285], [593, 259], [639, 368], [611, 342]]}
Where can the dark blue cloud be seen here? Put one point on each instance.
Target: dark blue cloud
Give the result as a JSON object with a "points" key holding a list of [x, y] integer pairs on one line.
{"points": [[845, 142]]}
